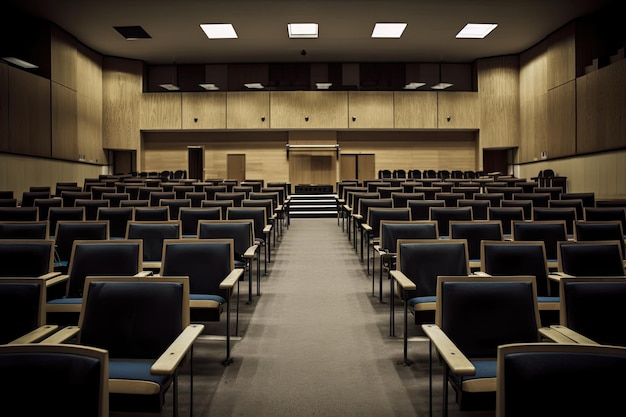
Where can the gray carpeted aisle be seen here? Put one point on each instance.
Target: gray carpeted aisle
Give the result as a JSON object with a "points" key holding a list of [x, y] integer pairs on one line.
{"points": [[315, 343]]}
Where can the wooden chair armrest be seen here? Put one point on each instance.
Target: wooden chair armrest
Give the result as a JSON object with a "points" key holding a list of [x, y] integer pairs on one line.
{"points": [[36, 335], [231, 279], [481, 274], [251, 251], [556, 276], [573, 335], [402, 280], [148, 265], [175, 353], [450, 353], [56, 280], [267, 229], [62, 335], [554, 335], [366, 227], [357, 217], [50, 275]]}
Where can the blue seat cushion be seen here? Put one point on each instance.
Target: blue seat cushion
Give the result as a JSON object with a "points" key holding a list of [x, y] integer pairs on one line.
{"points": [[66, 301], [420, 300], [138, 370], [209, 297]]}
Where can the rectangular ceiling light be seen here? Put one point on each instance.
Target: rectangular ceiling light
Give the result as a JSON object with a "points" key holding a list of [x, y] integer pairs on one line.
{"points": [[388, 30], [169, 87], [257, 86], [219, 30], [441, 86], [413, 85], [323, 86], [476, 30], [209, 87], [302, 30], [19, 62]]}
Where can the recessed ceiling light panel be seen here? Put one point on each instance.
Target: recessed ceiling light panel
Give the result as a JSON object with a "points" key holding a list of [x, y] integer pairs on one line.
{"points": [[323, 86], [169, 87], [302, 30], [19, 62], [132, 33], [219, 30], [388, 30], [257, 86], [441, 86], [413, 85], [209, 86], [476, 30]]}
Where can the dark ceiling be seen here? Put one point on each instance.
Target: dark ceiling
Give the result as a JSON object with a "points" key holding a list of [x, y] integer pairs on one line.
{"points": [[345, 27]]}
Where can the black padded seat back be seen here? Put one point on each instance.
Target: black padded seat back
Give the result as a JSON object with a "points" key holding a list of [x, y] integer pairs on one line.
{"points": [[29, 214], [550, 231], [153, 235], [443, 216], [190, 216], [222, 204], [57, 214], [589, 199], [22, 304], [175, 204], [115, 198], [146, 213], [241, 231], [506, 215], [466, 313], [587, 259], [105, 321], [24, 230], [429, 191], [69, 231], [588, 376], [386, 192], [91, 207], [420, 209], [256, 214], [236, 197], [506, 258], [29, 197], [26, 257], [205, 261], [268, 204], [606, 213], [599, 230], [97, 192], [475, 232], [595, 307], [423, 260], [377, 214], [70, 197], [118, 218], [479, 207], [44, 204], [157, 196], [392, 230], [401, 199], [357, 197], [102, 258], [538, 199], [557, 213], [365, 204], [576, 203], [526, 205], [506, 190], [180, 191], [210, 190]]}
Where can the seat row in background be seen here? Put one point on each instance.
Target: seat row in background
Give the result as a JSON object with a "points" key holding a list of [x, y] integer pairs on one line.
{"points": [[422, 257], [428, 173]]}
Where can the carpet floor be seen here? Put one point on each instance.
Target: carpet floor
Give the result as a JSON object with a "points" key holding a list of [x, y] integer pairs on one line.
{"points": [[314, 343]]}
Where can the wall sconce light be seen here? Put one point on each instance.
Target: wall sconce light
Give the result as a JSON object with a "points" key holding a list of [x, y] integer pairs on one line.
{"points": [[262, 118], [354, 118], [306, 118]]}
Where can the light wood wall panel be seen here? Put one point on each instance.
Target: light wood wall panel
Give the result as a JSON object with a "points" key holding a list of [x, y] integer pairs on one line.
{"points": [[414, 150], [601, 109], [204, 110], [533, 103], [161, 111], [601, 173], [18, 173], [370, 109], [561, 120], [415, 110], [458, 110], [121, 103], [265, 152], [89, 112], [63, 57], [64, 123], [498, 87], [248, 110], [29, 114], [324, 110], [561, 58], [4, 107]]}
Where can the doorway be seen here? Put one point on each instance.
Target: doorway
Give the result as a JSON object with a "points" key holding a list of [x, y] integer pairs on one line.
{"points": [[236, 166], [195, 162]]}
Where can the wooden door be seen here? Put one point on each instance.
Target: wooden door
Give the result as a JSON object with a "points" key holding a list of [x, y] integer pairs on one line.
{"points": [[195, 162], [357, 166], [236, 166]]}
